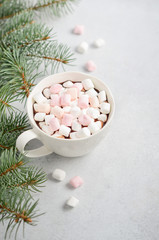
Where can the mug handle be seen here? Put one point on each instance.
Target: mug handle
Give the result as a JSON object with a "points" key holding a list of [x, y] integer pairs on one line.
{"points": [[24, 138]]}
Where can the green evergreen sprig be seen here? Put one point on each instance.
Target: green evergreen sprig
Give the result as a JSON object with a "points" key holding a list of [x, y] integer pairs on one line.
{"points": [[10, 128]]}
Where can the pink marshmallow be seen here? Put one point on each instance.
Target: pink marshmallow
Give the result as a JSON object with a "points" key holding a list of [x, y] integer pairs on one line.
{"points": [[90, 66], [65, 100], [55, 100], [54, 124], [43, 108], [84, 119], [67, 119], [73, 92], [76, 181], [83, 101], [79, 29], [56, 88], [78, 85], [57, 111]]}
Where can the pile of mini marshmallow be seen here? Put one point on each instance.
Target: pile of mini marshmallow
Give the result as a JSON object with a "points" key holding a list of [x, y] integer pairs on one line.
{"points": [[84, 46], [75, 182], [71, 110]]}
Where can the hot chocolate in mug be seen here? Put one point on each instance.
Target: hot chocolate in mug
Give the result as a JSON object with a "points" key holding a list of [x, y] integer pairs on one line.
{"points": [[63, 147]]}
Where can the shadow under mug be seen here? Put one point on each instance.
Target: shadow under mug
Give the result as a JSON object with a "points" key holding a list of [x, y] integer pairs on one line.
{"points": [[63, 147]]}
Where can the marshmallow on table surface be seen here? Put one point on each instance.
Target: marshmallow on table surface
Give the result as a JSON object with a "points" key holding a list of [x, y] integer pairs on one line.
{"points": [[59, 174], [83, 101], [73, 135], [102, 96], [54, 124], [102, 117], [84, 119], [92, 92], [39, 98], [94, 102], [82, 47], [93, 127], [64, 130], [68, 84], [76, 126], [87, 84], [84, 132], [78, 85], [76, 181], [57, 111], [90, 66], [39, 117], [99, 42], [105, 107], [55, 100], [46, 92], [56, 88], [67, 109], [65, 100], [42, 107], [67, 119], [47, 129], [48, 118], [93, 112], [72, 202], [75, 111], [73, 91], [79, 29]]}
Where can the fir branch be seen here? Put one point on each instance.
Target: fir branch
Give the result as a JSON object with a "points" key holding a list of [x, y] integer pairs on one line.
{"points": [[51, 53], [6, 101], [11, 127], [59, 7], [17, 207], [17, 74]]}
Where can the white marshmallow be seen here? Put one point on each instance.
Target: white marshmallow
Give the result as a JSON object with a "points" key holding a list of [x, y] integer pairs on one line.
{"points": [[74, 103], [82, 47], [76, 126], [102, 117], [105, 107], [84, 111], [59, 174], [92, 92], [99, 124], [62, 91], [65, 131], [102, 96], [87, 84], [67, 109], [57, 135], [47, 129], [41, 124], [84, 132], [94, 102], [81, 93], [68, 84], [73, 135], [46, 92], [72, 202], [93, 127], [36, 107], [99, 42], [93, 112], [75, 111], [39, 98], [39, 117], [48, 118]]}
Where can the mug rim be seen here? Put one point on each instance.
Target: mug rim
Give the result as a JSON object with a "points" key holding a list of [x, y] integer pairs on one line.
{"points": [[33, 123]]}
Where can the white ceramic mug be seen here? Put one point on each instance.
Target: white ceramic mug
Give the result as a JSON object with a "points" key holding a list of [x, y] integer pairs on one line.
{"points": [[63, 147]]}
